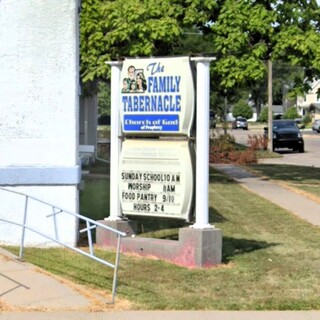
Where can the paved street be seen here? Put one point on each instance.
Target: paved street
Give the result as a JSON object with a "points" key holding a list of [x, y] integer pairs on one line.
{"points": [[309, 158]]}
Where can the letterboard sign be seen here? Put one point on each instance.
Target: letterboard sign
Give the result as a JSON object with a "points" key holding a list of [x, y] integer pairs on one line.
{"points": [[157, 96], [156, 179]]}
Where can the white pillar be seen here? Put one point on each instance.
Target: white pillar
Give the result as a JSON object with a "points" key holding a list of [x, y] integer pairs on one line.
{"points": [[115, 143], [202, 144]]}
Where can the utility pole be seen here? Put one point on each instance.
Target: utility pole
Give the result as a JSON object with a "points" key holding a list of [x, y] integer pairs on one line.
{"points": [[225, 111], [270, 103]]}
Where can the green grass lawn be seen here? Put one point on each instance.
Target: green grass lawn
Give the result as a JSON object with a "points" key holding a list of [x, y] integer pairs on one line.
{"points": [[300, 177], [271, 260]]}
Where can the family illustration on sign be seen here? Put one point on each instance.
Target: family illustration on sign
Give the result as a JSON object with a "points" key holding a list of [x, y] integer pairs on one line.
{"points": [[135, 81]]}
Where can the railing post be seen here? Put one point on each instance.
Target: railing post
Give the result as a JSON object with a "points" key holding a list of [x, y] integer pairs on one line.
{"points": [[55, 223], [115, 273], [89, 238], [23, 227], [90, 224]]}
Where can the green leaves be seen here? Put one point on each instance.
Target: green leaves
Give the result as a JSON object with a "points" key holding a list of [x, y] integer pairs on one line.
{"points": [[242, 109], [241, 34], [114, 29]]}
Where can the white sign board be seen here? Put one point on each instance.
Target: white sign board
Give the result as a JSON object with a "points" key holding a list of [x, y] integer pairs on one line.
{"points": [[157, 96], [156, 178]]}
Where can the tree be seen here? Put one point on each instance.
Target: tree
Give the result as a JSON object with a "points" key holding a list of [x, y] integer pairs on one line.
{"points": [[242, 109], [241, 34], [111, 30], [247, 33], [114, 29], [291, 113], [104, 101]]}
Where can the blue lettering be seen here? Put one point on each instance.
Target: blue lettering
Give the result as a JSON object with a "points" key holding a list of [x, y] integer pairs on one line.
{"points": [[135, 103], [166, 100], [153, 103], [160, 104], [155, 68], [164, 84], [124, 101], [129, 104], [147, 103], [178, 103], [177, 79], [153, 84], [141, 103]]}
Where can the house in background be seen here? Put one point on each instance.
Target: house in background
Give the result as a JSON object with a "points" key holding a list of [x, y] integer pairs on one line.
{"points": [[310, 102]]}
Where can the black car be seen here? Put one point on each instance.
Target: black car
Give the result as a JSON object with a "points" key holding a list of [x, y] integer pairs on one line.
{"points": [[286, 134]]}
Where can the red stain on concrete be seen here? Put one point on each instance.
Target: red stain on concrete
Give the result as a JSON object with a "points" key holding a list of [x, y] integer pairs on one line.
{"points": [[188, 252]]}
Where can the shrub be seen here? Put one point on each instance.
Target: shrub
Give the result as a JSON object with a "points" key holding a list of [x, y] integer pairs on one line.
{"points": [[264, 115], [223, 142], [291, 113], [242, 109], [306, 119], [223, 150], [257, 142]]}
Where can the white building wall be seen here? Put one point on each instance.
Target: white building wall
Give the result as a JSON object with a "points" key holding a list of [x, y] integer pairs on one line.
{"points": [[39, 111], [310, 97]]}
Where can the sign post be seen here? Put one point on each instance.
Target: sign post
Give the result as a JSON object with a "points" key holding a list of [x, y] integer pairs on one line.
{"points": [[115, 143], [202, 160]]}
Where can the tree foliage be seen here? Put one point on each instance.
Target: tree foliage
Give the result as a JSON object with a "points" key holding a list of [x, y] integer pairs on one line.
{"points": [[110, 30], [242, 109], [291, 113], [104, 98], [247, 33], [264, 115], [241, 34]]}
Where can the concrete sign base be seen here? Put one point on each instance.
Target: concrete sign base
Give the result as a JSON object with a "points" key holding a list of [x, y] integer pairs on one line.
{"points": [[196, 248]]}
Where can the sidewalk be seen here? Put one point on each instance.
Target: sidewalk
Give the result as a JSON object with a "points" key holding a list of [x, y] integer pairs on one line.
{"points": [[167, 315], [25, 287], [298, 204], [29, 293]]}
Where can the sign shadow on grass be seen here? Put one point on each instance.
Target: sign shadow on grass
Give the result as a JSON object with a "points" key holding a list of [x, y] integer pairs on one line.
{"points": [[215, 216]]}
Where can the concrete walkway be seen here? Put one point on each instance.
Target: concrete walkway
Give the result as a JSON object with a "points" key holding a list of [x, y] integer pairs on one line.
{"points": [[167, 315], [294, 202], [29, 293]]}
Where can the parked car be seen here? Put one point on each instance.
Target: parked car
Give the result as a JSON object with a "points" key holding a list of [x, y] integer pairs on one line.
{"points": [[316, 125], [240, 123], [286, 134], [212, 120]]}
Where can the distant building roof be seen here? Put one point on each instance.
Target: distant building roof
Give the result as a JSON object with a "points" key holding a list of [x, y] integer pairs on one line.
{"points": [[277, 109], [315, 105]]}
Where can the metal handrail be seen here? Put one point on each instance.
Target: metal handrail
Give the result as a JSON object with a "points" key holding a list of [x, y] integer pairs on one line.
{"points": [[90, 225]]}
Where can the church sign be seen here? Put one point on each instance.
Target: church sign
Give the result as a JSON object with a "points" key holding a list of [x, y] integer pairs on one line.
{"points": [[156, 178], [157, 96]]}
